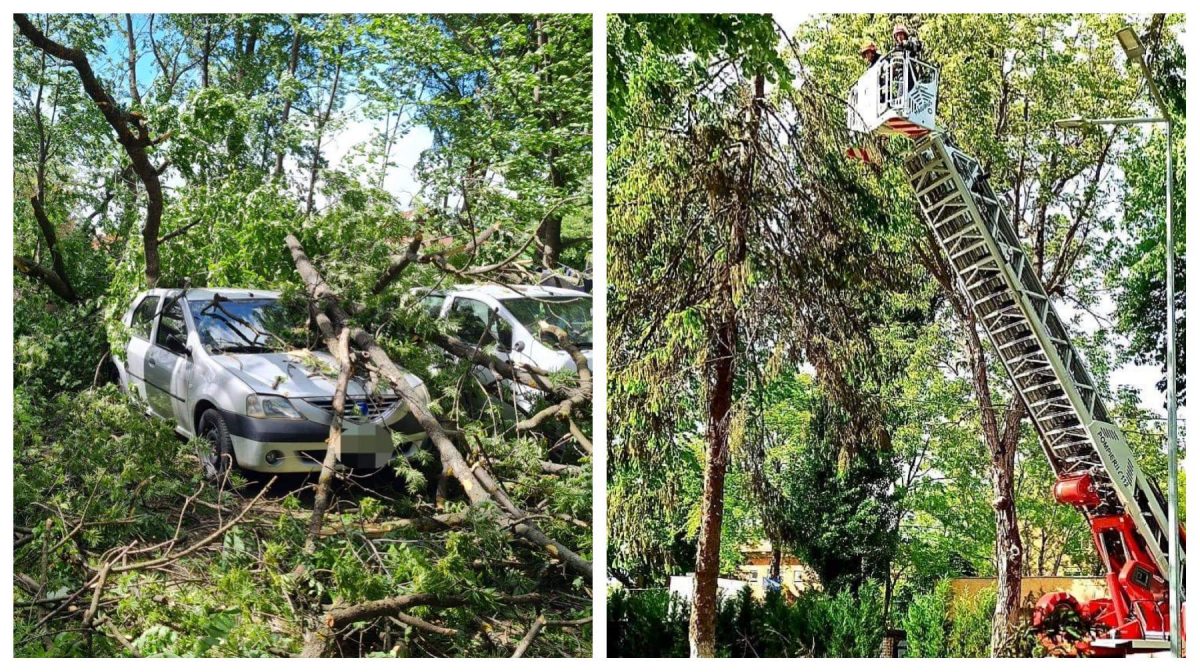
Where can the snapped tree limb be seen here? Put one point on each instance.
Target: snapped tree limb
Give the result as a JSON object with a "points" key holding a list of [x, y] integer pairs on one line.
{"points": [[322, 294]]}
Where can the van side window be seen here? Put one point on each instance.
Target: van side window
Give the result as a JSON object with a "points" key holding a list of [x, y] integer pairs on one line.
{"points": [[472, 317], [143, 317], [172, 324]]}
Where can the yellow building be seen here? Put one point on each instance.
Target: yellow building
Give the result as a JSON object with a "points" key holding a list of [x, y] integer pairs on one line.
{"points": [[793, 574]]}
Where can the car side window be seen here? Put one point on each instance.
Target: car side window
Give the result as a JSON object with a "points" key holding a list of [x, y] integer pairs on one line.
{"points": [[433, 305], [143, 317], [172, 330], [472, 317]]}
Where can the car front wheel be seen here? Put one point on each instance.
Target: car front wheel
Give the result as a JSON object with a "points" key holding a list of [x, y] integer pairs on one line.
{"points": [[219, 459]]}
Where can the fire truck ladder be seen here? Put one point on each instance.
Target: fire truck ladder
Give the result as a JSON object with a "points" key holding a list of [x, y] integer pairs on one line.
{"points": [[1010, 303]]}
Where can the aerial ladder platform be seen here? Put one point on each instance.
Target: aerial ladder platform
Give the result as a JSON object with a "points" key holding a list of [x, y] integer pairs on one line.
{"points": [[1096, 471]]}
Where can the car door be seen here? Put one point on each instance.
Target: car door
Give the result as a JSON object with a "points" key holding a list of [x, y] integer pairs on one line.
{"points": [[476, 327], [169, 365], [140, 325]]}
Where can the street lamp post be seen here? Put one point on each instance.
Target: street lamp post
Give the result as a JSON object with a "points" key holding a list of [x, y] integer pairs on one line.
{"points": [[1136, 54]]}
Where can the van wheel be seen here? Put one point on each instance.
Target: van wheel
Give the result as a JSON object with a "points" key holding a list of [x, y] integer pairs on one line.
{"points": [[220, 458]]}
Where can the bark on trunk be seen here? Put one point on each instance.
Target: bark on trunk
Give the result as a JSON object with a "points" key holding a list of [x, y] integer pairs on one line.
{"points": [[550, 231], [1002, 450], [133, 85], [703, 625], [321, 122]]}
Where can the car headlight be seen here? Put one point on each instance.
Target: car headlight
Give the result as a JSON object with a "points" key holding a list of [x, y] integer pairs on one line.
{"points": [[267, 406]]}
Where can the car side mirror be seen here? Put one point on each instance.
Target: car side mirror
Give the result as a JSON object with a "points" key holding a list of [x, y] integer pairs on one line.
{"points": [[519, 347]]}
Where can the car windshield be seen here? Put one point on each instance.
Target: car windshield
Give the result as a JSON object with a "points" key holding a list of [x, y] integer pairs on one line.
{"points": [[245, 325], [571, 314]]}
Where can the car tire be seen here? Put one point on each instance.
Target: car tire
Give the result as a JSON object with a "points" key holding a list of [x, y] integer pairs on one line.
{"points": [[220, 459]]}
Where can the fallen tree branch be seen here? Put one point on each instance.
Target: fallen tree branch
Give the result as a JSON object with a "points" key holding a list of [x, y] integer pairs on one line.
{"points": [[398, 264], [172, 557], [556, 469], [413, 621], [339, 346], [527, 641], [452, 459], [318, 641]]}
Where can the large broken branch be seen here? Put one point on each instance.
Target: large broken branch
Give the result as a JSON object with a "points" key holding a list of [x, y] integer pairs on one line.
{"points": [[56, 259], [47, 276], [131, 133], [339, 346], [339, 617], [451, 458]]}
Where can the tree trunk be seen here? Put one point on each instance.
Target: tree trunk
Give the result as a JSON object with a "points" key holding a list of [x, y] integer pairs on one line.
{"points": [[204, 54], [293, 62], [310, 202], [550, 230], [1002, 451], [131, 133], [340, 348], [133, 85], [720, 375]]}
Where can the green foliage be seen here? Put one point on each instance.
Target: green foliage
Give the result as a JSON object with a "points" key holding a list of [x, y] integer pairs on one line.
{"points": [[653, 623], [939, 626]]}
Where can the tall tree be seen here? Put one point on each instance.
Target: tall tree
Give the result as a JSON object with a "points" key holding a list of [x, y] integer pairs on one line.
{"points": [[719, 190]]}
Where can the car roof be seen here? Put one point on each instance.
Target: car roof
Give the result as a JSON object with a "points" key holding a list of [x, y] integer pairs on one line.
{"points": [[494, 291], [207, 293]]}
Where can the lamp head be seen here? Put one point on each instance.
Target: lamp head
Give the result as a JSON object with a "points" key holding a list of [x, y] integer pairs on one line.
{"points": [[1130, 43], [1073, 122]]}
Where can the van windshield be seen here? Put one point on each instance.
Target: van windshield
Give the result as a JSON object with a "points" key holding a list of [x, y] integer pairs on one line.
{"points": [[571, 314], [246, 325]]}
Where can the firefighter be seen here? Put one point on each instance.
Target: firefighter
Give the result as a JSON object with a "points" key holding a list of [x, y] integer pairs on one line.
{"points": [[905, 42], [870, 53]]}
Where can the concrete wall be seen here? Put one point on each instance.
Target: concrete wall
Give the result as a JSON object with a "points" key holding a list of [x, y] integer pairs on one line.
{"points": [[726, 588], [1033, 587]]}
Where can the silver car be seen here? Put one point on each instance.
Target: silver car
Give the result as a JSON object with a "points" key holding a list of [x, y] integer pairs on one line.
{"points": [[215, 362]]}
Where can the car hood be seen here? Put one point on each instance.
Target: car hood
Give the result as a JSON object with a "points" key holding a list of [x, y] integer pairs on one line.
{"points": [[299, 373]]}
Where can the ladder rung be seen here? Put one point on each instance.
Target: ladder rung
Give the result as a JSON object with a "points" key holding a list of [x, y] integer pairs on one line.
{"points": [[1018, 341], [1053, 416], [990, 297], [936, 183], [957, 234], [1035, 388], [945, 200], [971, 288], [929, 168], [999, 311]]}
